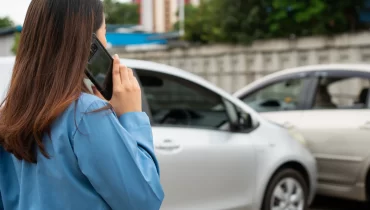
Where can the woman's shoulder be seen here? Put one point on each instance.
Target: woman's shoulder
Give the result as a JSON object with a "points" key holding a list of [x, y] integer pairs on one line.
{"points": [[86, 102]]}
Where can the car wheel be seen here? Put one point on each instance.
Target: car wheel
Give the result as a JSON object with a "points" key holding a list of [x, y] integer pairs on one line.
{"points": [[287, 190]]}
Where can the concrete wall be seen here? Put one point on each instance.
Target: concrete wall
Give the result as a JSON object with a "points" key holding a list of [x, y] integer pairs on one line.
{"points": [[232, 67], [6, 45]]}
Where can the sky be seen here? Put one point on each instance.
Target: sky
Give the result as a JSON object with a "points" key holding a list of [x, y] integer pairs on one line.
{"points": [[17, 9]]}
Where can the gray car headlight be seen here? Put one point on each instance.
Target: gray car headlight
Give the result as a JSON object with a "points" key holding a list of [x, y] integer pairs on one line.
{"points": [[295, 134]]}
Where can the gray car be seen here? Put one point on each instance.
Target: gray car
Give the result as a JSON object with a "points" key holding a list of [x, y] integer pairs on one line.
{"points": [[329, 105], [214, 151]]}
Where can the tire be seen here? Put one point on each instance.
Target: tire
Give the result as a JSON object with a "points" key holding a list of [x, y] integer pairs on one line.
{"points": [[279, 183]]}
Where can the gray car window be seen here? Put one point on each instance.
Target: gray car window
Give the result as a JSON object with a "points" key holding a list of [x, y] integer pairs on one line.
{"points": [[279, 96], [333, 92], [178, 102]]}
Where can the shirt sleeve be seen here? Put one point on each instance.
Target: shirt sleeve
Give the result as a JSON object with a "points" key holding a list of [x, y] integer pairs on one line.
{"points": [[116, 154]]}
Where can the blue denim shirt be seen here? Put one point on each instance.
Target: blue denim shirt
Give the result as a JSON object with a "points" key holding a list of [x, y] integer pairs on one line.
{"points": [[98, 161]]}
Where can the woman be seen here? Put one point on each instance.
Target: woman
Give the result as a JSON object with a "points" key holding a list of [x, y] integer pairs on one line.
{"points": [[62, 148]]}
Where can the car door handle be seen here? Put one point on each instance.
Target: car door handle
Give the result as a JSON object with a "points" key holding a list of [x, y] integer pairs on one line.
{"points": [[365, 126], [168, 145]]}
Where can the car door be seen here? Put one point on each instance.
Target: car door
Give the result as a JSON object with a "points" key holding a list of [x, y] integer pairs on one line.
{"points": [[337, 125], [203, 165], [280, 99]]}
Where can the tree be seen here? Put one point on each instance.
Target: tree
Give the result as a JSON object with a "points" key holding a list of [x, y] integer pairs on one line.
{"points": [[313, 17], [235, 21], [243, 21], [6, 22], [121, 13], [193, 23]]}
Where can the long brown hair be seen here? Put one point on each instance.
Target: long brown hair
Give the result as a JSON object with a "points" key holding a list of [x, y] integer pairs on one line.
{"points": [[48, 72]]}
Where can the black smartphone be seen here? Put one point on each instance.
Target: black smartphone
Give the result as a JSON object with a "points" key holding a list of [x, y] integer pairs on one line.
{"points": [[99, 68]]}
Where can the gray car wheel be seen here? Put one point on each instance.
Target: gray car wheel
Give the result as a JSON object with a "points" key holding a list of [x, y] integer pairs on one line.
{"points": [[287, 190]]}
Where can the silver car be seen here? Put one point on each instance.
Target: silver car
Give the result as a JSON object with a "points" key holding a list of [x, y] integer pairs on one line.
{"points": [[329, 105], [214, 151]]}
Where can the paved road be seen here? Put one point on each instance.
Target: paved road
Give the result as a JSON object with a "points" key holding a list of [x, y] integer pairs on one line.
{"points": [[324, 203]]}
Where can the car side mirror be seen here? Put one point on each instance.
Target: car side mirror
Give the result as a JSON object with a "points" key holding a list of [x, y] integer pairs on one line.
{"points": [[238, 118], [245, 120]]}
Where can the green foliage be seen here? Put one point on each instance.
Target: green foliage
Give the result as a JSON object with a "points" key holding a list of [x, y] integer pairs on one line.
{"points": [[6, 22], [243, 21], [288, 17], [121, 13], [235, 21], [312, 17]]}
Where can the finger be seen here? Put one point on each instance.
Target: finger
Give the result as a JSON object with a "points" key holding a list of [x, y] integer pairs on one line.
{"points": [[116, 72], [130, 73], [124, 74], [136, 83]]}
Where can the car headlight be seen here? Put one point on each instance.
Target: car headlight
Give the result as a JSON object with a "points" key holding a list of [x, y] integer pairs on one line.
{"points": [[295, 134]]}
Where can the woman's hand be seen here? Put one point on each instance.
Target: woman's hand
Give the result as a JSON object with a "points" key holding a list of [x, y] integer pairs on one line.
{"points": [[126, 95]]}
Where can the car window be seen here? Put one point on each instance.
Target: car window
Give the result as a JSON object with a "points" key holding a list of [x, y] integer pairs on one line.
{"points": [[5, 77], [279, 96], [178, 102], [341, 93]]}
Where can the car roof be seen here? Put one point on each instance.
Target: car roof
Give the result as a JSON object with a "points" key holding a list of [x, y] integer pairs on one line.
{"points": [[154, 67], [170, 70], [362, 67]]}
